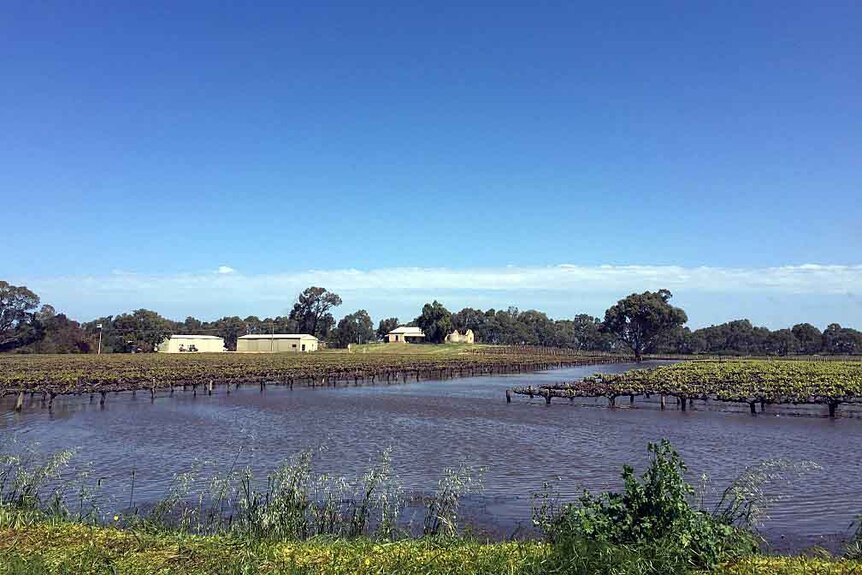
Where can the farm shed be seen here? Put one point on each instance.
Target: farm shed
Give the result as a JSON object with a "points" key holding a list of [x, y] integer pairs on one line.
{"points": [[276, 342], [192, 343], [405, 334]]}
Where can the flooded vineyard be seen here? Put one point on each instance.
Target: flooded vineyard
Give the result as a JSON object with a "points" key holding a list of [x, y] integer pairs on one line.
{"points": [[750, 382], [436, 424]]}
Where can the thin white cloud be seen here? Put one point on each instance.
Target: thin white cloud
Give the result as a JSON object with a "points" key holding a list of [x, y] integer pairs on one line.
{"points": [[799, 279], [776, 296]]}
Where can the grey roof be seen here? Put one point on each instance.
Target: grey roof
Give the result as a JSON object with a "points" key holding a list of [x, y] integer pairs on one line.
{"points": [[278, 336]]}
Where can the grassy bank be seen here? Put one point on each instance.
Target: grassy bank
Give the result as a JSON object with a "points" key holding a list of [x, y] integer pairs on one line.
{"points": [[69, 548]]}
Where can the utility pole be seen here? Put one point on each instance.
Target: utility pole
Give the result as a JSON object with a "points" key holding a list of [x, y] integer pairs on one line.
{"points": [[99, 327]]}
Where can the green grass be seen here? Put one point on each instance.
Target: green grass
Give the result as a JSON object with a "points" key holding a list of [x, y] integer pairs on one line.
{"points": [[70, 548], [764, 565], [64, 548]]}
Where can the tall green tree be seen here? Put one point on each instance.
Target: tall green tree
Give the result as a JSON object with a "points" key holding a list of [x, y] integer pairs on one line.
{"points": [[229, 329], [508, 327], [143, 329], [435, 321], [192, 326], [640, 319], [19, 322], [112, 340], [537, 328], [839, 340], [255, 325], [588, 335], [782, 342], [311, 312], [492, 332], [355, 327], [61, 334], [282, 324], [469, 318], [737, 337], [809, 337], [687, 341]]}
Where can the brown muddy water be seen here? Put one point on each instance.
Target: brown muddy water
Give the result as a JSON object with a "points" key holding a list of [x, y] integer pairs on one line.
{"points": [[432, 425]]}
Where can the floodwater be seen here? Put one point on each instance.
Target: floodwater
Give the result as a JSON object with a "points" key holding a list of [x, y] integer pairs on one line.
{"points": [[432, 425]]}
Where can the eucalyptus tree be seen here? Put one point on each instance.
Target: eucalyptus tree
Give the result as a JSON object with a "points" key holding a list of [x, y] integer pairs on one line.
{"points": [[311, 312], [19, 322], [354, 328], [639, 320], [435, 321]]}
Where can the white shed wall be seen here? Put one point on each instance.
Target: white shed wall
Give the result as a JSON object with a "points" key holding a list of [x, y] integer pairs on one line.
{"points": [[204, 345]]}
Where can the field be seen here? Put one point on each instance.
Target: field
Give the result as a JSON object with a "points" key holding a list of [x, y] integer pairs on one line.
{"points": [[70, 374], [741, 381]]}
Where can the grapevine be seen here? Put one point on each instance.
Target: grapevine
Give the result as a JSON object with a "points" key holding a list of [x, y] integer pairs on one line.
{"points": [[741, 381]]}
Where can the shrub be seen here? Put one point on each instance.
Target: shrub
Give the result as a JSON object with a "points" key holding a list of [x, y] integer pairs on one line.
{"points": [[654, 515]]}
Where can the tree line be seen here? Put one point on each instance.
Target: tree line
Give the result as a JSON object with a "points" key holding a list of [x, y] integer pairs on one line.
{"points": [[639, 324]]}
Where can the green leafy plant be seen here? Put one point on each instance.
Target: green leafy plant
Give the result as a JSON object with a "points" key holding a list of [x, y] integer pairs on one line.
{"points": [[653, 509]]}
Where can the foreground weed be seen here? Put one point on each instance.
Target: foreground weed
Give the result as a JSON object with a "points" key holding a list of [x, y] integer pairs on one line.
{"points": [[441, 514], [745, 501], [854, 548]]}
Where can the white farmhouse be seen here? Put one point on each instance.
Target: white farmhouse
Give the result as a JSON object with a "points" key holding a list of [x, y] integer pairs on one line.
{"points": [[405, 334]]}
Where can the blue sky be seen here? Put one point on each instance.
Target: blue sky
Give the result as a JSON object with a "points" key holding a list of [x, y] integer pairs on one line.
{"points": [[145, 145]]}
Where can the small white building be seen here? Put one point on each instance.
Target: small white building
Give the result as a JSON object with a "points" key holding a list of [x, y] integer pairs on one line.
{"points": [[192, 343], [405, 334], [276, 342]]}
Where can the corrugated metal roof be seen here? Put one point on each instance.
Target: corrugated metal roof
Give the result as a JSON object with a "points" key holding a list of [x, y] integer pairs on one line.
{"points": [[277, 336], [408, 330]]}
